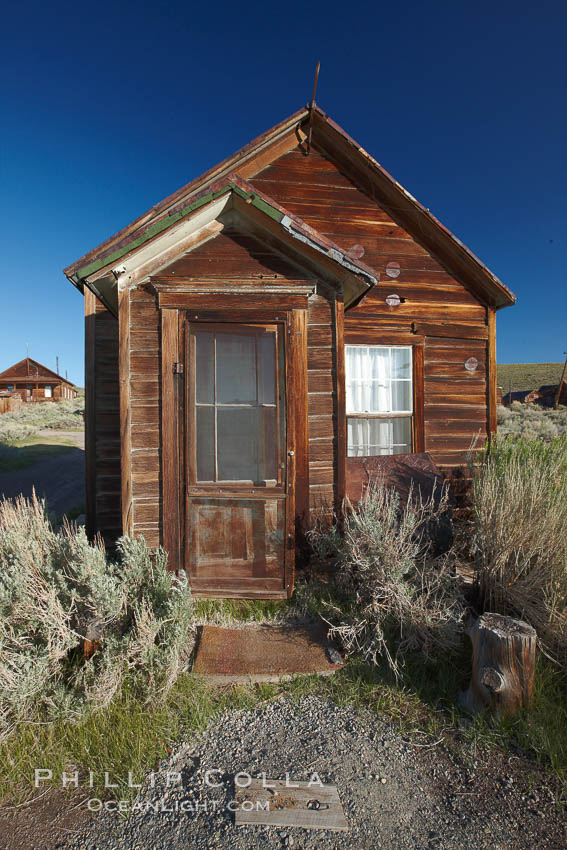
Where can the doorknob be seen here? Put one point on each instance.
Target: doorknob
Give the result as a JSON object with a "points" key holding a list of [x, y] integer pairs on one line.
{"points": [[291, 453]]}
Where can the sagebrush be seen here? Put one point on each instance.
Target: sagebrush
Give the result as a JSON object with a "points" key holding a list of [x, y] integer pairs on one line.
{"points": [[531, 421], [398, 595], [31, 417], [56, 588], [519, 539]]}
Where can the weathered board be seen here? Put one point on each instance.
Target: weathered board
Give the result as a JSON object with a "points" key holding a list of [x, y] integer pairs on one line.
{"points": [[276, 802]]}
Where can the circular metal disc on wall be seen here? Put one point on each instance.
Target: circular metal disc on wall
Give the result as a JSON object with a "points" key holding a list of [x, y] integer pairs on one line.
{"points": [[356, 252], [393, 269], [471, 365], [393, 300]]}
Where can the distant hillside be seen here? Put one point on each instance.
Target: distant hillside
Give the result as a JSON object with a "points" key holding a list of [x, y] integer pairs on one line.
{"points": [[527, 376]]}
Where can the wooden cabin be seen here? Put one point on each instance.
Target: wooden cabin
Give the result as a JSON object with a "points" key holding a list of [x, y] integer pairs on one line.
{"points": [[34, 382], [545, 396], [255, 334]]}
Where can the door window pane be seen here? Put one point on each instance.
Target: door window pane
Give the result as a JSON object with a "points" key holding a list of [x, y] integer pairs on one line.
{"points": [[205, 444], [236, 368], [268, 454], [267, 369], [204, 367], [239, 424], [237, 444]]}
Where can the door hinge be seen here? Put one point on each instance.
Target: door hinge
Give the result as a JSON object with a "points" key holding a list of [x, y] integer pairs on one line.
{"points": [[178, 368]]}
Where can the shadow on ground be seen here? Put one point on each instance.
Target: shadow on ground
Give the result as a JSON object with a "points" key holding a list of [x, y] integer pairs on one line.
{"points": [[56, 473]]}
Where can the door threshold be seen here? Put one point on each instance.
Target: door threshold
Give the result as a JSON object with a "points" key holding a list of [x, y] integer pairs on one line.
{"points": [[239, 594]]}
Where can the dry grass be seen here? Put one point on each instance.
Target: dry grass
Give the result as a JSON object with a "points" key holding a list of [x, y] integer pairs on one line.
{"points": [[527, 376], [531, 421], [519, 543]]}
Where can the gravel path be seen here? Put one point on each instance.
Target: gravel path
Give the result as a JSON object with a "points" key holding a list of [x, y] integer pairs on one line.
{"points": [[429, 799]]}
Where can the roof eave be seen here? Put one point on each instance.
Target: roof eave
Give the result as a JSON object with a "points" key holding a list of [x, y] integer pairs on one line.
{"points": [[253, 199], [502, 296]]}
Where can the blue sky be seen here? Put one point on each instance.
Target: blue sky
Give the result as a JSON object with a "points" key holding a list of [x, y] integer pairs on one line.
{"points": [[109, 107]]}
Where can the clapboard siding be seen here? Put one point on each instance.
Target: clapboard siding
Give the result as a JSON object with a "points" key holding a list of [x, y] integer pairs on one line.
{"points": [[322, 403], [231, 256], [145, 415], [437, 310]]}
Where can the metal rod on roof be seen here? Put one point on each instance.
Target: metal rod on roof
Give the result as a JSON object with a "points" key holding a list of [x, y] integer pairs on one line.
{"points": [[311, 105], [315, 81]]}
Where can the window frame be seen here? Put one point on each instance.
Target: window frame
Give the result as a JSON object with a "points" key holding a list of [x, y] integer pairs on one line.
{"points": [[413, 415]]}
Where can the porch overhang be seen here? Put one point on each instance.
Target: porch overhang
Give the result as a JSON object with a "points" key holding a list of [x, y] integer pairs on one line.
{"points": [[231, 203]]}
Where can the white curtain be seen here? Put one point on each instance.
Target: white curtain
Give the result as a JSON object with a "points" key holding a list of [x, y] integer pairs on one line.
{"points": [[368, 437], [378, 380], [367, 383]]}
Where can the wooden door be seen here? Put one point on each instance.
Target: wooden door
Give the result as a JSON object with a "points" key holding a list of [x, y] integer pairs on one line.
{"points": [[238, 470]]}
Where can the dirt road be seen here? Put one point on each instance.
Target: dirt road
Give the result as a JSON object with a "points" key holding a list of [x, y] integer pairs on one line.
{"points": [[60, 480]]}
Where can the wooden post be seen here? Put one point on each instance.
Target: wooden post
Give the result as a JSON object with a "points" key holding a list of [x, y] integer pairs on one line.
{"points": [[170, 356], [560, 387], [90, 414], [503, 665], [125, 410]]}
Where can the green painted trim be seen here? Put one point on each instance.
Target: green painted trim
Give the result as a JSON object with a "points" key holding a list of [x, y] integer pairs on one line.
{"points": [[167, 222]]}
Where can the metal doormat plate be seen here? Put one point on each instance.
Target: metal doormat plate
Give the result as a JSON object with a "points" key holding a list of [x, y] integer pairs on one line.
{"points": [[275, 802]]}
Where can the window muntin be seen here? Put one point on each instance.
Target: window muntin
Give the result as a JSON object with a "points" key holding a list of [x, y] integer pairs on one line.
{"points": [[379, 399]]}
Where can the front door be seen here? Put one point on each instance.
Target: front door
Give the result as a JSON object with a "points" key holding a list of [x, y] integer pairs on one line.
{"points": [[237, 467]]}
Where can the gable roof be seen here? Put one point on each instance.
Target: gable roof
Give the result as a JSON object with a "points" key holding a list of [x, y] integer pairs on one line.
{"points": [[28, 368], [250, 159]]}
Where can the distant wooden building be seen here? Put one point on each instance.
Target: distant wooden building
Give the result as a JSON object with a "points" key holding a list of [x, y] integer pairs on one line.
{"points": [[253, 336], [9, 402], [34, 382], [544, 396]]}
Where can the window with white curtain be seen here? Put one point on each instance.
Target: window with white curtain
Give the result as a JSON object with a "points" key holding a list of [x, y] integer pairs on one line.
{"points": [[379, 399]]}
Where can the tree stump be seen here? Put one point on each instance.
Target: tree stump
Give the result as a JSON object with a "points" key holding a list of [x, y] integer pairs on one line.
{"points": [[93, 637], [503, 667]]}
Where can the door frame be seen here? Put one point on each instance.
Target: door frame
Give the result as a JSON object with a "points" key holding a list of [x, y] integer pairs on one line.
{"points": [[178, 308], [195, 492]]}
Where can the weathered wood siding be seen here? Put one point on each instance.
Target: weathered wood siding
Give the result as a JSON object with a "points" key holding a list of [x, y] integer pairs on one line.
{"points": [[437, 310], [228, 259], [102, 421], [145, 398]]}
